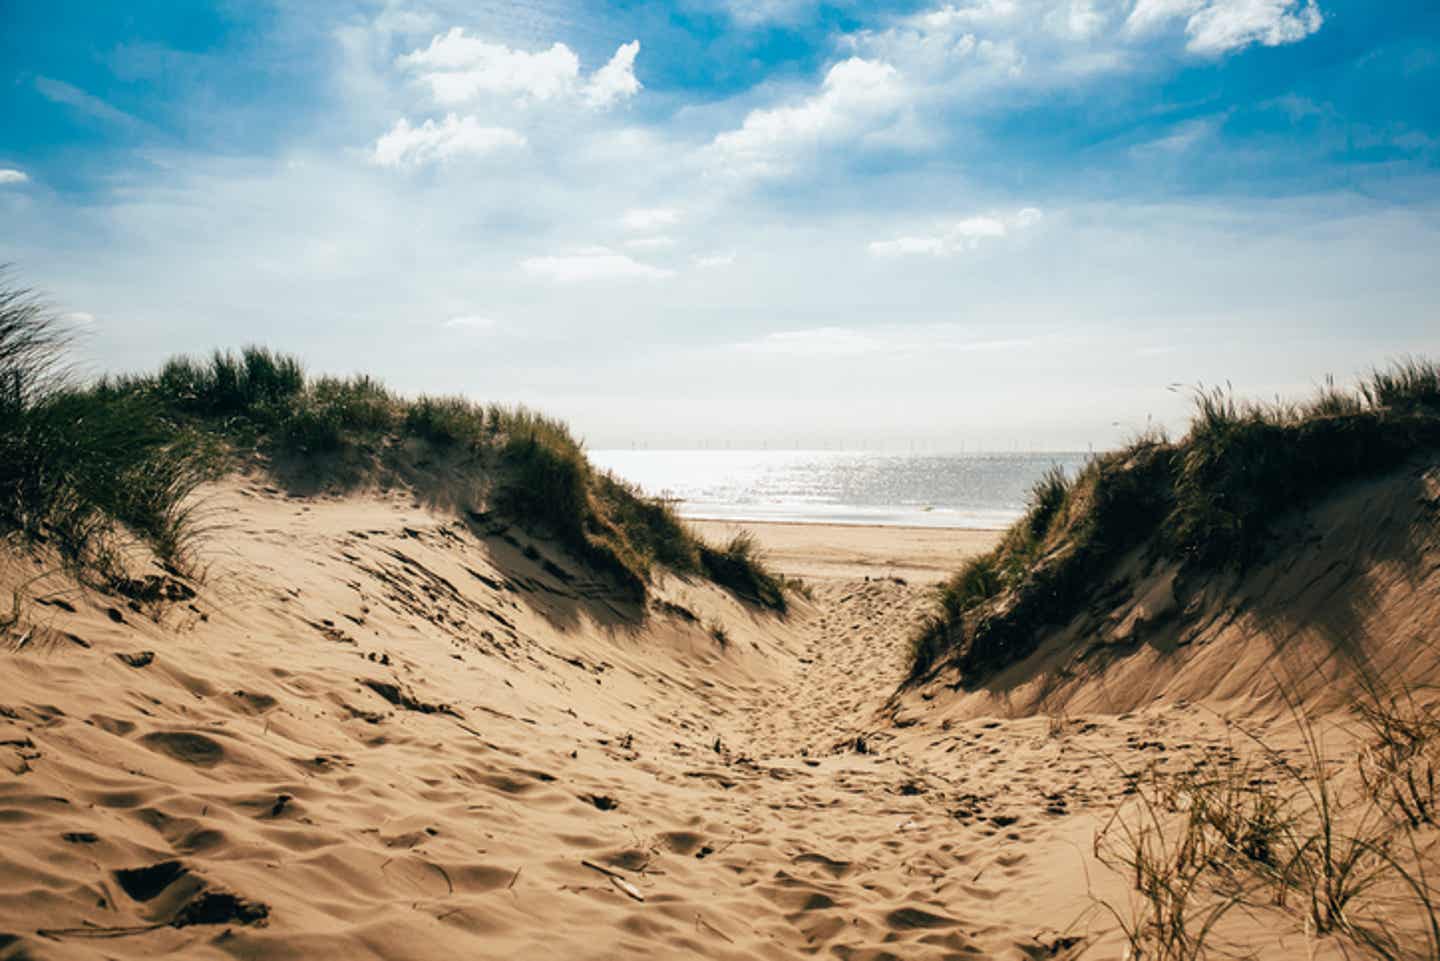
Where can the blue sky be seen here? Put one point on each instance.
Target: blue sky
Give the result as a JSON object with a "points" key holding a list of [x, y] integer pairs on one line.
{"points": [[743, 221]]}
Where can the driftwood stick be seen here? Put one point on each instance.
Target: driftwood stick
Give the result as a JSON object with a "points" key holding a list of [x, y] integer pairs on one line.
{"points": [[618, 880]]}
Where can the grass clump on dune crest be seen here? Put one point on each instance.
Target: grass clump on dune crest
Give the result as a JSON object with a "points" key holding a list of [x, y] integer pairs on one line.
{"points": [[1244, 463], [1206, 501], [989, 613], [1411, 383], [534, 471], [737, 566], [81, 471], [229, 384]]}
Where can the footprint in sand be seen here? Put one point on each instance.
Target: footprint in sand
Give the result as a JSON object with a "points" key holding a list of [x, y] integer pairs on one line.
{"points": [[145, 883], [909, 919], [186, 746]]}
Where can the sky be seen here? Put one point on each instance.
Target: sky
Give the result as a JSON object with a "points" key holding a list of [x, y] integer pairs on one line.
{"points": [[997, 223]]}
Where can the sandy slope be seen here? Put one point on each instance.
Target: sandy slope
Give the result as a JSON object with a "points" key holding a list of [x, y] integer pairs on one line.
{"points": [[377, 733], [1352, 586]]}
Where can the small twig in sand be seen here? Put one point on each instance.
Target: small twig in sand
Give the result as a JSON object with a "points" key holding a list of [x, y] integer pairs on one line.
{"points": [[624, 886], [515, 877], [702, 923], [601, 868], [95, 932]]}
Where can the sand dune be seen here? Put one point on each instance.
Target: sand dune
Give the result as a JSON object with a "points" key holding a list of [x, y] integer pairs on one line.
{"points": [[375, 732], [1353, 586]]}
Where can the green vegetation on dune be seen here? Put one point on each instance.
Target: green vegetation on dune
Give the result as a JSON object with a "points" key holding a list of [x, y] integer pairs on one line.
{"points": [[82, 466], [78, 468], [737, 565], [1207, 501]]}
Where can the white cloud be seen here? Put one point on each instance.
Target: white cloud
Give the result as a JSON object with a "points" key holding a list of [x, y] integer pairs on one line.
{"points": [[616, 80], [1215, 27], [1150, 15], [712, 261], [952, 52], [649, 218], [857, 96], [1080, 19], [591, 264], [471, 322], [430, 142], [1230, 25], [9, 175], [952, 15], [1212, 26], [80, 317], [458, 68], [960, 236], [959, 51]]}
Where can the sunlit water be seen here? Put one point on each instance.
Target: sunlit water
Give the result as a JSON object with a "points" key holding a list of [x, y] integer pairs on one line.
{"points": [[985, 491]]}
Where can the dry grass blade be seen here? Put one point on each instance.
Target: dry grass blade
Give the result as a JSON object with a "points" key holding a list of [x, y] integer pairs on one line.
{"points": [[1169, 849]]}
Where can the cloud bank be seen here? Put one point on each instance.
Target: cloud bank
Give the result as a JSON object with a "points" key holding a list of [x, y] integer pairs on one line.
{"points": [[856, 98], [450, 139], [457, 68], [1216, 27]]}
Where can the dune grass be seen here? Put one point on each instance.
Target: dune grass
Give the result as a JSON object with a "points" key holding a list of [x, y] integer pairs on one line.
{"points": [[1329, 850], [529, 468], [81, 472], [1208, 501], [989, 613], [737, 566], [80, 466]]}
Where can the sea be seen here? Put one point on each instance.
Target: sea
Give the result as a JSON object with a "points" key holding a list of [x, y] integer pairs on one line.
{"points": [[984, 491]]}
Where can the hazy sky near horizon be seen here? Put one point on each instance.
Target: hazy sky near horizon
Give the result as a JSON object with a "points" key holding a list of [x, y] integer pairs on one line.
{"points": [[996, 222]]}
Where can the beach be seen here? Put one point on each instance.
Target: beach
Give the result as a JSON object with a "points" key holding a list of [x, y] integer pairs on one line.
{"points": [[922, 555]]}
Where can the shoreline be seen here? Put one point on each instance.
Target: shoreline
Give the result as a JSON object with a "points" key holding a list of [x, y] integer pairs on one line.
{"points": [[857, 525], [831, 551]]}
